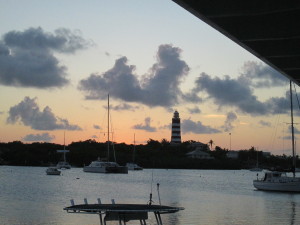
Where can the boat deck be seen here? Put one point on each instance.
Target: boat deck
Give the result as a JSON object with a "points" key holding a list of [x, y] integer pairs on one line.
{"points": [[123, 212]]}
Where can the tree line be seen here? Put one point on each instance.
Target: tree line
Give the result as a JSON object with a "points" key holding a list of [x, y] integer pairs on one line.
{"points": [[153, 154]]}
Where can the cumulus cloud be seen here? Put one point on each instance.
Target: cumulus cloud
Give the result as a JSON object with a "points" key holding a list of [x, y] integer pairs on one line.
{"points": [[45, 137], [296, 131], [147, 126], [264, 123], [262, 76], [230, 118], [28, 113], [161, 87], [194, 110], [239, 93], [230, 92], [124, 107], [97, 127], [167, 126], [27, 57], [189, 126]]}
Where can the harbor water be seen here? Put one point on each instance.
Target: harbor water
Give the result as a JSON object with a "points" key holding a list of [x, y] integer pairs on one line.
{"points": [[29, 197]]}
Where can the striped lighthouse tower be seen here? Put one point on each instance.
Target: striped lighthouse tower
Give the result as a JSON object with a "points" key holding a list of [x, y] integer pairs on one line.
{"points": [[176, 135]]}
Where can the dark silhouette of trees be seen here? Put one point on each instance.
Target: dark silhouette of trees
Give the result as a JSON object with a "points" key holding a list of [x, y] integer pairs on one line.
{"points": [[154, 154], [211, 142]]}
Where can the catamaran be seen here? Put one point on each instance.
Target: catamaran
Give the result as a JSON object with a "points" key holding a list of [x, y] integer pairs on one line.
{"points": [[100, 166]]}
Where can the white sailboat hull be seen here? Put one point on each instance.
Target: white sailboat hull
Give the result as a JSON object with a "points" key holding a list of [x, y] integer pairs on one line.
{"points": [[133, 166], [287, 185], [105, 167]]}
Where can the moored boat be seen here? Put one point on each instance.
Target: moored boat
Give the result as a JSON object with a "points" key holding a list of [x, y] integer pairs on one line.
{"points": [[133, 166], [278, 180], [63, 165], [52, 171], [99, 166]]}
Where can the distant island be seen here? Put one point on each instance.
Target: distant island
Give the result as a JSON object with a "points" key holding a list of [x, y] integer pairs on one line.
{"points": [[154, 154]]}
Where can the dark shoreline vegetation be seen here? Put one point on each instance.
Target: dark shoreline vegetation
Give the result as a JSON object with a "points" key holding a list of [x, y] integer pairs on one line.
{"points": [[154, 154]]}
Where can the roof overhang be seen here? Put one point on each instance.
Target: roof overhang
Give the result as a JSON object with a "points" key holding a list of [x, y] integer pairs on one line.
{"points": [[269, 29]]}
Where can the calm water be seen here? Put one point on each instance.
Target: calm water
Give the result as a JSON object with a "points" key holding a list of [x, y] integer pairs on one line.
{"points": [[29, 197]]}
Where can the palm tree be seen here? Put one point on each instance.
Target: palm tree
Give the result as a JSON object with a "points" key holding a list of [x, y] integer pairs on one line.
{"points": [[211, 142]]}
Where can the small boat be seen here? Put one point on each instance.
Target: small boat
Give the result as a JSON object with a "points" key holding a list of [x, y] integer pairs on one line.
{"points": [[256, 169], [132, 165], [278, 180], [52, 171], [63, 164], [100, 166]]}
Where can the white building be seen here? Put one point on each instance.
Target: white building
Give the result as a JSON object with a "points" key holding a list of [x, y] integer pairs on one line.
{"points": [[199, 146], [232, 154], [198, 154]]}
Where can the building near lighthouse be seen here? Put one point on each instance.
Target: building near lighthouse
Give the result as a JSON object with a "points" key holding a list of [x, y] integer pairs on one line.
{"points": [[176, 133]]}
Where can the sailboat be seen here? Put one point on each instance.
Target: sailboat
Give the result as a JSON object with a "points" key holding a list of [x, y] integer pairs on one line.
{"points": [[256, 169], [100, 166], [277, 180], [132, 165], [63, 164]]}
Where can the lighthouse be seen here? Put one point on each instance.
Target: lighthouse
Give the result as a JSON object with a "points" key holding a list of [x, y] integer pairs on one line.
{"points": [[176, 134]]}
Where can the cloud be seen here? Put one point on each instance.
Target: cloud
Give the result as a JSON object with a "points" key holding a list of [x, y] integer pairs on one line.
{"points": [[45, 137], [189, 126], [158, 88], [264, 123], [97, 127], [296, 131], [147, 127], [262, 76], [28, 113], [167, 126], [231, 117], [194, 110], [230, 92], [124, 107], [279, 105], [27, 59]]}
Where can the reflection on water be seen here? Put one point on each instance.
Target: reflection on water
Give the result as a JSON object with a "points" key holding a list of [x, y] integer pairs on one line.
{"points": [[29, 196], [293, 214]]}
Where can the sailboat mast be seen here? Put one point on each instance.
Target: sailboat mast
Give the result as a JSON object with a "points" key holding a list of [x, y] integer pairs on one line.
{"points": [[133, 158], [108, 127], [293, 138], [64, 146]]}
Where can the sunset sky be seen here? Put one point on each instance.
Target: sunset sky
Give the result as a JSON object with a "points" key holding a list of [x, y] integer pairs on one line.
{"points": [[60, 59]]}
